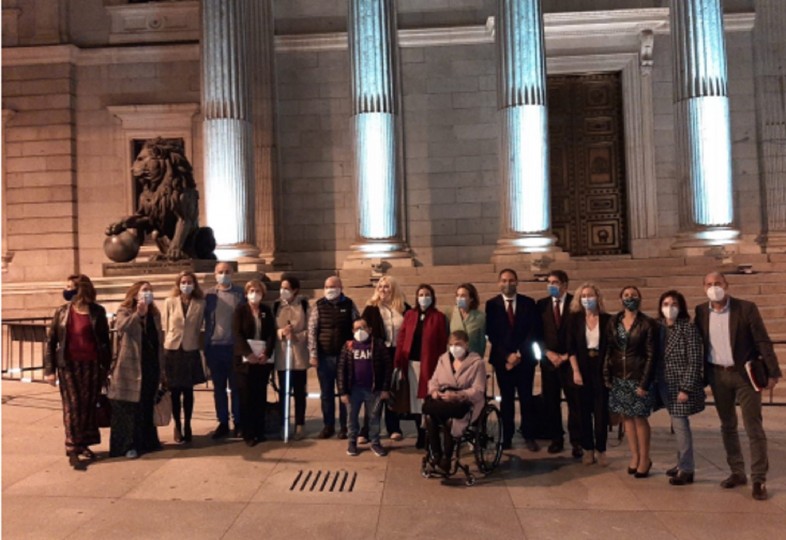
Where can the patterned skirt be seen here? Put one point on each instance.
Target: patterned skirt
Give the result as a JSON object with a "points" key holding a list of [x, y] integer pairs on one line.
{"points": [[79, 389], [624, 400]]}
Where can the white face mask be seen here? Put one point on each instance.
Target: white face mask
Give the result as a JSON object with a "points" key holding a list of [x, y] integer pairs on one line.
{"points": [[361, 335], [285, 294], [670, 312], [254, 298], [146, 297], [716, 294], [332, 293], [223, 279], [424, 302], [186, 288], [458, 351]]}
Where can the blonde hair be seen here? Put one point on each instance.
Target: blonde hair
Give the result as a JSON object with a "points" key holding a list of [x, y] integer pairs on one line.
{"points": [[257, 285], [196, 293], [397, 299], [575, 304]]}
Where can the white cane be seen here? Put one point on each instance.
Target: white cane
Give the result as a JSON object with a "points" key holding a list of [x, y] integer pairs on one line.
{"points": [[286, 388]]}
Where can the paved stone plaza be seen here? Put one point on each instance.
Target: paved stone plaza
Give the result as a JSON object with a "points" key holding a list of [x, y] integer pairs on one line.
{"points": [[228, 490]]}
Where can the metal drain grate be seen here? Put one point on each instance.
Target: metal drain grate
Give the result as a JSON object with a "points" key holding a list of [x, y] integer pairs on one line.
{"points": [[324, 481]]}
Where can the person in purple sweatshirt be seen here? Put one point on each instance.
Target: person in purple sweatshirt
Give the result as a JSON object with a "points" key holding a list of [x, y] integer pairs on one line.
{"points": [[363, 375]]}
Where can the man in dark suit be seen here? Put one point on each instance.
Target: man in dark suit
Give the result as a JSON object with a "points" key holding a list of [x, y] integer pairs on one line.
{"points": [[733, 334], [556, 375], [512, 329]]}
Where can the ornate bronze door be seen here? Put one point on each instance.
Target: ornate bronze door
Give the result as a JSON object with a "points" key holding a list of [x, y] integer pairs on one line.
{"points": [[588, 204]]}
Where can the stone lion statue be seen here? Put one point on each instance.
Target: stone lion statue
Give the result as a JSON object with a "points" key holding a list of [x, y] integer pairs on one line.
{"points": [[168, 206]]}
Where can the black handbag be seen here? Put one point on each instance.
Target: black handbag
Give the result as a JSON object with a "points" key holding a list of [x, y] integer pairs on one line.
{"points": [[399, 393]]}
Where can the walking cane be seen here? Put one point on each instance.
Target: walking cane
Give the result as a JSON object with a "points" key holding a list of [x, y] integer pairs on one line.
{"points": [[287, 387]]}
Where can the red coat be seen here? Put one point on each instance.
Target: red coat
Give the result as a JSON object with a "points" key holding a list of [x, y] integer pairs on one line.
{"points": [[434, 342]]}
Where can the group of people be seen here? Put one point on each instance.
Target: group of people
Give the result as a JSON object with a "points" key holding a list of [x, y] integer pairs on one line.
{"points": [[622, 365]]}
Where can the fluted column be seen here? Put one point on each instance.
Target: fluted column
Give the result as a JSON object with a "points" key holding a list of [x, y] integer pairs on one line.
{"points": [[373, 59], [228, 133], [524, 152], [703, 129], [261, 61], [770, 51]]}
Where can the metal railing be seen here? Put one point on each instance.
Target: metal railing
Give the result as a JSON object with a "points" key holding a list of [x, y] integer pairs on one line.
{"points": [[24, 346]]}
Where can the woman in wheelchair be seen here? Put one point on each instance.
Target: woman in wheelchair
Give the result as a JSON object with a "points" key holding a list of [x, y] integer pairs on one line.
{"points": [[457, 388]]}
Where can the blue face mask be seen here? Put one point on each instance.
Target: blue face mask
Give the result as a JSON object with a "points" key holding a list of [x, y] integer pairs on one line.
{"points": [[553, 291], [69, 294], [462, 303], [589, 303], [631, 304]]}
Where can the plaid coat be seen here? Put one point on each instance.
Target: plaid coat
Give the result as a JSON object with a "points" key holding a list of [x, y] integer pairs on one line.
{"points": [[683, 366]]}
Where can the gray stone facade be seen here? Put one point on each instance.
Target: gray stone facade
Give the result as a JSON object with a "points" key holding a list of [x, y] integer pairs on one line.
{"points": [[65, 150]]}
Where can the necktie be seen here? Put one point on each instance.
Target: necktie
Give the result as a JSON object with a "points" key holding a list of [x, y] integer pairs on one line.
{"points": [[511, 316], [557, 314]]}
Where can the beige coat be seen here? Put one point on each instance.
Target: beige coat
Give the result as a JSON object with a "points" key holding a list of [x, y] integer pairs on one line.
{"points": [[126, 383], [182, 330], [292, 312], [471, 377]]}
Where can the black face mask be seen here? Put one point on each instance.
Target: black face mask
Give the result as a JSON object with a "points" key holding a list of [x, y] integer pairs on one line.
{"points": [[69, 294]]}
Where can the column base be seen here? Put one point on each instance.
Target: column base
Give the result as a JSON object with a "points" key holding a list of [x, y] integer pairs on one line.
{"points": [[537, 251], [718, 242], [378, 256], [236, 252]]}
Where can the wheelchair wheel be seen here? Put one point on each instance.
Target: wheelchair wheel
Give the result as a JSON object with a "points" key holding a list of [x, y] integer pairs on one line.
{"points": [[488, 443]]}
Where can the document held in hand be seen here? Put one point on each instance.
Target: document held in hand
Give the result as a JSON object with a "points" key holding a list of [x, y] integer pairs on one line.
{"points": [[257, 347]]}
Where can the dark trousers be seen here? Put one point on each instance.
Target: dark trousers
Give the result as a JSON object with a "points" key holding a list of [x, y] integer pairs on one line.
{"points": [[439, 414], [516, 381], [555, 382], [594, 412], [297, 381], [252, 386], [219, 360], [326, 372], [728, 387]]}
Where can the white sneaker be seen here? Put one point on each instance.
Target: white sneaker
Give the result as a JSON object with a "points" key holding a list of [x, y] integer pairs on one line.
{"points": [[132, 454]]}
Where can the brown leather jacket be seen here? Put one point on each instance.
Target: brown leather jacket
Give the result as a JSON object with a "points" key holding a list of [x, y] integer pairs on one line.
{"points": [[636, 361], [54, 356]]}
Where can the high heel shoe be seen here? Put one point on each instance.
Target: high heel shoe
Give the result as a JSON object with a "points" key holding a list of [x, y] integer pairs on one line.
{"points": [[632, 470], [673, 471], [187, 435], [644, 474], [75, 462]]}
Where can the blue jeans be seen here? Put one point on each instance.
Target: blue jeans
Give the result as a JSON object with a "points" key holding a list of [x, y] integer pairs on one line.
{"points": [[681, 426], [326, 373], [358, 397], [219, 360]]}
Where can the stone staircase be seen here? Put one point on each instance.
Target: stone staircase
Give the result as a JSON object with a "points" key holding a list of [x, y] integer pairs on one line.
{"points": [[766, 285]]}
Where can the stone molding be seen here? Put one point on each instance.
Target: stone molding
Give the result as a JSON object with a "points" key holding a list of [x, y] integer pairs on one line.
{"points": [[154, 22]]}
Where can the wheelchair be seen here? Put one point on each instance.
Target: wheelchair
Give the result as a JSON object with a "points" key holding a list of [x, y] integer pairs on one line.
{"points": [[483, 438]]}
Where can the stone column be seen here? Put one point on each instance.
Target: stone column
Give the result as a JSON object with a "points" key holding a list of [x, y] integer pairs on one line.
{"points": [[524, 152], [373, 53], [228, 133], [770, 51], [702, 125], [261, 59]]}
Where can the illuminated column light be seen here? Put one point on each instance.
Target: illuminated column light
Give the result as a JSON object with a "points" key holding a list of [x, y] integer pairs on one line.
{"points": [[524, 162], [229, 163], [373, 48], [703, 126]]}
